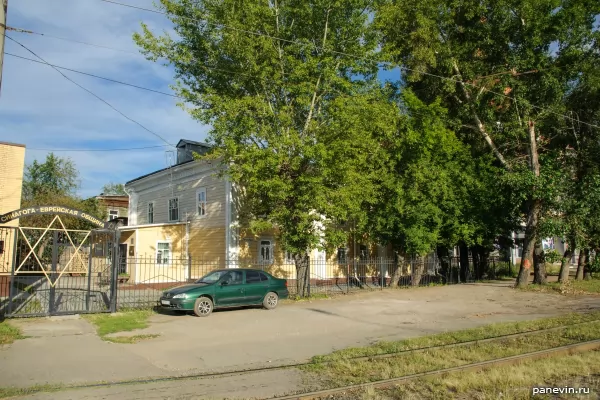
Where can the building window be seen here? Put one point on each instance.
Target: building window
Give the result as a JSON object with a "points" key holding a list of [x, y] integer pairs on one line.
{"points": [[342, 255], [174, 209], [364, 252], [1, 246], [289, 258], [163, 253], [112, 214], [201, 202], [150, 213], [265, 252]]}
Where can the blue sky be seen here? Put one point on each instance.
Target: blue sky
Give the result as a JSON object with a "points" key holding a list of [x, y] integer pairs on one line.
{"points": [[41, 109]]}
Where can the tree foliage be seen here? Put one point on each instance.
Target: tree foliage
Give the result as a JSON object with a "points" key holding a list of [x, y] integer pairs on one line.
{"points": [[293, 119], [114, 189], [55, 182]]}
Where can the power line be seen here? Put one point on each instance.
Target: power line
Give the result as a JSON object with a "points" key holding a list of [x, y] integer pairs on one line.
{"points": [[378, 62], [96, 76], [21, 30], [89, 91], [91, 150], [30, 32]]}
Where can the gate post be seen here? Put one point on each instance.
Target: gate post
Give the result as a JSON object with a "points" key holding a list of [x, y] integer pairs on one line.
{"points": [[12, 287], [114, 271], [89, 275], [52, 297]]}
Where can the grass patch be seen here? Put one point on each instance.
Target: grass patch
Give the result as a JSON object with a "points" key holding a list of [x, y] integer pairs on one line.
{"points": [[7, 392], [129, 339], [345, 372], [483, 332], [315, 296], [508, 383], [107, 324], [9, 333], [591, 286]]}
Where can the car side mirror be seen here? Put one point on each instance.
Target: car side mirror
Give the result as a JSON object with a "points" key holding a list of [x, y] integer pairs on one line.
{"points": [[224, 283]]}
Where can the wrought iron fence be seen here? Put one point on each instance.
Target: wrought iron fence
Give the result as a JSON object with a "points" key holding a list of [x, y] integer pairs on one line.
{"points": [[147, 277]]}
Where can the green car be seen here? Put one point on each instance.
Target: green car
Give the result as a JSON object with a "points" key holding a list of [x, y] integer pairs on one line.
{"points": [[226, 288]]}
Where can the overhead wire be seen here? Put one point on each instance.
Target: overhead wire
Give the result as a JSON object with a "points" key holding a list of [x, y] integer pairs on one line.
{"points": [[96, 76], [379, 62], [89, 91], [100, 150]]}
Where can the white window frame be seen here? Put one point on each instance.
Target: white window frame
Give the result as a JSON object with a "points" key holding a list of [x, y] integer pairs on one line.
{"points": [[169, 209], [150, 203], [271, 248], [198, 202], [170, 259], [112, 211], [345, 260], [288, 258]]}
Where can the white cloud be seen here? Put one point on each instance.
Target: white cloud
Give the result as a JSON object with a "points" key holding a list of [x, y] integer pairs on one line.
{"points": [[41, 109]]}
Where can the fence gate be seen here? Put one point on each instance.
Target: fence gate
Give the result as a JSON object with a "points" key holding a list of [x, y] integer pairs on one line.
{"points": [[54, 270]]}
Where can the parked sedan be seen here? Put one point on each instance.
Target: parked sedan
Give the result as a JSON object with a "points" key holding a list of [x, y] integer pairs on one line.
{"points": [[226, 288]]}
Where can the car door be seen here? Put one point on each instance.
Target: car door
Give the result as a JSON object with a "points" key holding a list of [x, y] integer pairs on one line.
{"points": [[230, 289], [256, 288]]}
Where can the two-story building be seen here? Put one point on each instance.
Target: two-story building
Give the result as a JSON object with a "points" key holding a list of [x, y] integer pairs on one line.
{"points": [[182, 222]]}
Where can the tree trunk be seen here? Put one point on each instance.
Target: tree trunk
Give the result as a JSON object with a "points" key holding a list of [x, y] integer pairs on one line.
{"points": [[302, 262], [587, 272], [539, 264], [417, 271], [395, 274], [563, 277], [464, 261], [442, 253], [581, 264], [533, 215]]}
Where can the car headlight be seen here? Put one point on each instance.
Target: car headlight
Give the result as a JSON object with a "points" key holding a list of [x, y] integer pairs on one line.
{"points": [[180, 296]]}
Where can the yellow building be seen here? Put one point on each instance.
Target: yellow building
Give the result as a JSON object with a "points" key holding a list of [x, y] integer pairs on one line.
{"points": [[182, 223], [12, 161]]}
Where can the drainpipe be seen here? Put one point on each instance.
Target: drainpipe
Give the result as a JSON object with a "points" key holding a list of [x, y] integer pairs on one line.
{"points": [[187, 248]]}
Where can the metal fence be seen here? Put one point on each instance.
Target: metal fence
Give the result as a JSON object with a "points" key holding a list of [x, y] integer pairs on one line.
{"points": [[147, 277]]}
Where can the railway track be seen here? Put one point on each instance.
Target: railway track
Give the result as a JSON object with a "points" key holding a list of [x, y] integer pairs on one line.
{"points": [[563, 350]]}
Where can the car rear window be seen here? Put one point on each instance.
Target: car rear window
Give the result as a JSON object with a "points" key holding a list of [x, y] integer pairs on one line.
{"points": [[263, 277], [253, 277]]}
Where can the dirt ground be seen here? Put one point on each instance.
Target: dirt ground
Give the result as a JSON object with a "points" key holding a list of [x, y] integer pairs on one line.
{"points": [[67, 350]]}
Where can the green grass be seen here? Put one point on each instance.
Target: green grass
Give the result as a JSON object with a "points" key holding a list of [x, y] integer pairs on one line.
{"points": [[483, 332], [107, 324], [315, 296], [9, 392], [9, 333], [591, 286], [129, 339], [345, 372], [509, 383]]}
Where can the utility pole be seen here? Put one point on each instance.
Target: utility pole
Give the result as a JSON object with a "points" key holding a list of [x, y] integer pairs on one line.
{"points": [[3, 11]]}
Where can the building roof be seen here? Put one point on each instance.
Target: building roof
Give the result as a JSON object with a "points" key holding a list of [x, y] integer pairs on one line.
{"points": [[12, 144], [181, 143], [155, 172], [185, 141]]}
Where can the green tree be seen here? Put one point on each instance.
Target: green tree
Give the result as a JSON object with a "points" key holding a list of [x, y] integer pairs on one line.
{"points": [[54, 177], [292, 118], [55, 182], [493, 64], [114, 189]]}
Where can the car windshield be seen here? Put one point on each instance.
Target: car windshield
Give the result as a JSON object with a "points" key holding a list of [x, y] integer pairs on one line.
{"points": [[212, 277]]}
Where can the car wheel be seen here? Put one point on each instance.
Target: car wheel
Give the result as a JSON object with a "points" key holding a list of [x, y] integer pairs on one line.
{"points": [[203, 307], [270, 301]]}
